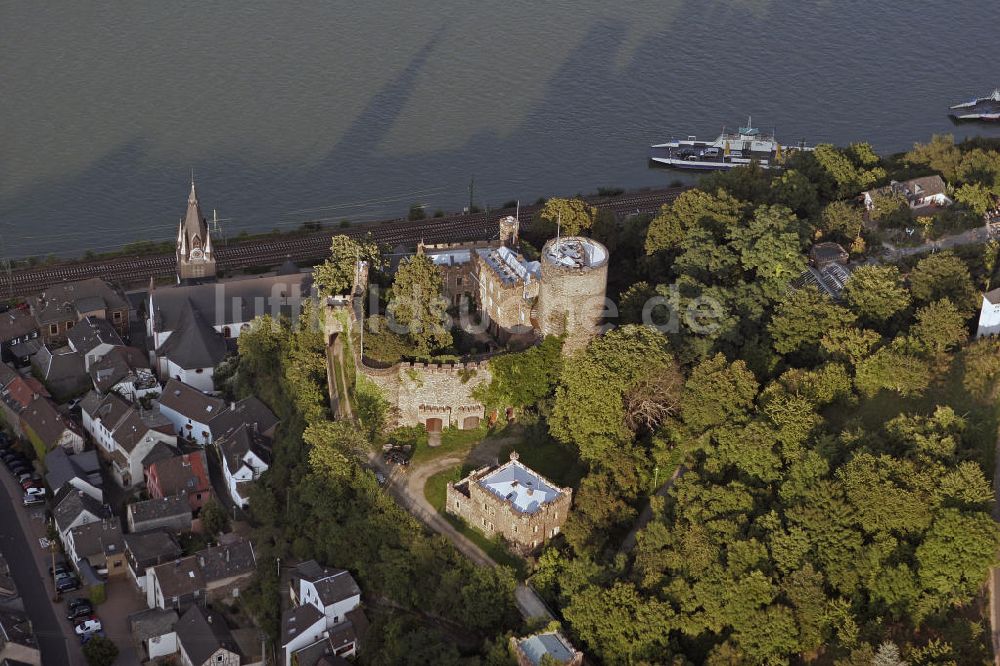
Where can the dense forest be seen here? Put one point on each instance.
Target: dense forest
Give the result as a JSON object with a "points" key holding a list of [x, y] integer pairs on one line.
{"points": [[819, 470]]}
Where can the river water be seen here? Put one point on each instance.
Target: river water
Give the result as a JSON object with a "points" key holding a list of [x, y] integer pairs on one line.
{"points": [[297, 111]]}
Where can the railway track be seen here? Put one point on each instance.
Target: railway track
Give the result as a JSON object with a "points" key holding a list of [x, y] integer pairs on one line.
{"points": [[126, 270]]}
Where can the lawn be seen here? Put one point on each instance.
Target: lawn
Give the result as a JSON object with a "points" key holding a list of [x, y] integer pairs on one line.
{"points": [[435, 488], [453, 442]]}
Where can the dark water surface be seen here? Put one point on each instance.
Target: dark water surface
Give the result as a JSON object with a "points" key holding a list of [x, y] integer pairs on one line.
{"points": [[328, 110]]}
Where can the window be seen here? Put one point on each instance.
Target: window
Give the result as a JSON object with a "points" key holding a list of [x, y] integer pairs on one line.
{"points": [[458, 281], [69, 325], [117, 316], [555, 531], [535, 531], [226, 332], [199, 371], [53, 329]]}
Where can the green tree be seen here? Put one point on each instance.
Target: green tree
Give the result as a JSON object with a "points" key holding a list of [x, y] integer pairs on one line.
{"points": [[693, 208], [523, 379], [940, 326], [889, 206], [850, 178], [803, 317], [842, 220], [876, 294], [943, 275], [573, 216], [336, 274], [418, 306], [795, 190], [100, 651], [618, 625], [956, 554], [718, 392], [892, 370], [849, 344], [941, 155], [769, 245], [980, 166], [332, 446], [214, 518], [977, 197]]}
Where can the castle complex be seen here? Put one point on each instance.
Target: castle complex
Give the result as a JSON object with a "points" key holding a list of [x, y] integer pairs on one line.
{"points": [[521, 302]]}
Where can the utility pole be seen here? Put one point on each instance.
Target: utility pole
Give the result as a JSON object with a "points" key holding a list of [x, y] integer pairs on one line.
{"points": [[472, 189]]}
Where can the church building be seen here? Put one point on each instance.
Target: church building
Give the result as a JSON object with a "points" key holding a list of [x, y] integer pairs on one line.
{"points": [[195, 258]]}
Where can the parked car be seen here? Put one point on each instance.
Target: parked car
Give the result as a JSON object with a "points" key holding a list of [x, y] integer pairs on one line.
{"points": [[19, 468], [31, 499], [29, 476], [88, 626], [31, 481], [10, 456], [67, 583], [60, 568], [85, 638], [35, 491], [78, 608]]}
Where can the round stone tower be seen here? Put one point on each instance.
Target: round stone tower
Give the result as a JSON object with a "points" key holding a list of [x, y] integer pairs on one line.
{"points": [[574, 278]]}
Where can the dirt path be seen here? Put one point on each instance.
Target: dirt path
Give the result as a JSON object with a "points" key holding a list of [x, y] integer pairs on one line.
{"points": [[628, 543]]}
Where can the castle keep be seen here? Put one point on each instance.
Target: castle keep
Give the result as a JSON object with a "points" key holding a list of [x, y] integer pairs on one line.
{"points": [[512, 501]]}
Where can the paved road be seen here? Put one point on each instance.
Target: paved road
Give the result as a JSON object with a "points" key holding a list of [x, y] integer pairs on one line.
{"points": [[969, 237], [18, 543]]}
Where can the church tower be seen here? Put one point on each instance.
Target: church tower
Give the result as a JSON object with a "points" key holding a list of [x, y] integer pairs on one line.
{"points": [[195, 257]]}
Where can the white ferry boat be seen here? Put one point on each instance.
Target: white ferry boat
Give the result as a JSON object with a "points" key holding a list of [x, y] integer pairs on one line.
{"points": [[729, 150]]}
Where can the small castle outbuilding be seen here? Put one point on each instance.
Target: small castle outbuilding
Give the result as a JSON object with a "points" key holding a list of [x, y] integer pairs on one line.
{"points": [[511, 501]]}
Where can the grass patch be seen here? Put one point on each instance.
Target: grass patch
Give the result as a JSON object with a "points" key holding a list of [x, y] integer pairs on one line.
{"points": [[436, 487], [453, 442]]}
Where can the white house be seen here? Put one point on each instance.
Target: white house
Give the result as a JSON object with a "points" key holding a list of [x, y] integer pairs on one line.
{"points": [[72, 508], [154, 630], [989, 314], [918, 192], [125, 433], [326, 613], [245, 456], [189, 410]]}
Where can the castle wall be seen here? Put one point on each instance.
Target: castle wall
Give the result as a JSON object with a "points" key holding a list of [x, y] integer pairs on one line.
{"points": [[422, 392]]}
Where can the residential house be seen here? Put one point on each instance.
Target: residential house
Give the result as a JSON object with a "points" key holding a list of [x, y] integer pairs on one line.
{"points": [[185, 473], [72, 507], [125, 434], [204, 639], [246, 454], [154, 630], [18, 644], [823, 254], [989, 315], [81, 471], [325, 618], [549, 647], [46, 428], [171, 513], [918, 192], [125, 371], [190, 410], [57, 309], [17, 328], [148, 549], [99, 543], [248, 411], [63, 371], [205, 314], [212, 574], [92, 338], [511, 501]]}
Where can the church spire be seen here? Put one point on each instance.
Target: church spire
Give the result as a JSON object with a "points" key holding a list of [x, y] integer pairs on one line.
{"points": [[195, 260]]}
